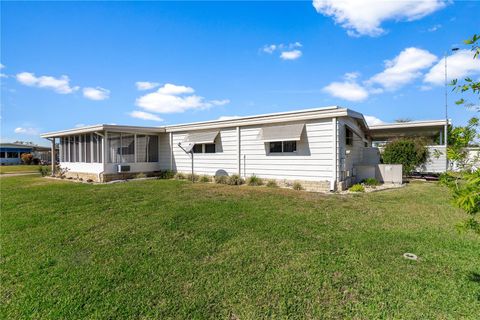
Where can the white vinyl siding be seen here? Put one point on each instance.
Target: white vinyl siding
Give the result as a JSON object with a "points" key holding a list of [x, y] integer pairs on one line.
{"points": [[312, 161], [436, 162], [224, 160]]}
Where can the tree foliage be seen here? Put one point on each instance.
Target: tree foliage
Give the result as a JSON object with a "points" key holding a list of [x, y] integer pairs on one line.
{"points": [[466, 187], [408, 152]]}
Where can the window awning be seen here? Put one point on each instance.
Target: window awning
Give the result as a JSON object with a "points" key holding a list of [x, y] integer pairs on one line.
{"points": [[200, 137], [287, 132]]}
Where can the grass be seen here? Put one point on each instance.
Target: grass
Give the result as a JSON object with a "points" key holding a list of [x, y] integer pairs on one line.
{"points": [[18, 168], [173, 249]]}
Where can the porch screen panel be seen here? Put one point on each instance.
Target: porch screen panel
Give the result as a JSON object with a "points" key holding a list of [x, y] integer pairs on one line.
{"points": [[128, 148], [60, 153], [88, 150], [71, 145], [94, 144], [114, 148], [152, 148], [76, 157], [142, 148], [81, 149]]}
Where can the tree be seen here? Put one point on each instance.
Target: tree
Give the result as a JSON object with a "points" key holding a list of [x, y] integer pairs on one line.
{"points": [[466, 187], [408, 152], [27, 158]]}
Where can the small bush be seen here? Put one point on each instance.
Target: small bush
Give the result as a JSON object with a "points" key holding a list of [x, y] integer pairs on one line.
{"points": [[371, 182], [221, 179], [166, 174], [193, 177], [27, 158], [297, 186], [140, 175], [235, 180], [357, 188], [255, 181], [89, 180], [447, 179], [205, 179], [45, 170], [179, 176], [272, 184], [410, 153]]}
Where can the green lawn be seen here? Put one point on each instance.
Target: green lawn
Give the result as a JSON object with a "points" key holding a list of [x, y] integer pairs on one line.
{"points": [[18, 169], [169, 249]]}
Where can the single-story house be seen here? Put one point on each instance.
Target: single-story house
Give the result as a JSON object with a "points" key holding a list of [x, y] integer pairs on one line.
{"points": [[11, 153], [320, 148]]}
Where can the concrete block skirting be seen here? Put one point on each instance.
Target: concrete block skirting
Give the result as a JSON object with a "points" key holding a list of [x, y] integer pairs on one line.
{"points": [[82, 175]]}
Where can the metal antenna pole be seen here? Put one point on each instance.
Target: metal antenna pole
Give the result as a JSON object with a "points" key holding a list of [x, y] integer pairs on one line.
{"points": [[445, 136]]}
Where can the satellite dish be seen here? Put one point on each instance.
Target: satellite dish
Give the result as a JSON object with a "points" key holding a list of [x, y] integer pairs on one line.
{"points": [[187, 147]]}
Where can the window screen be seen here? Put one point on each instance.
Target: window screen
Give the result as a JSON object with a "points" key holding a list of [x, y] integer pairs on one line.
{"points": [[142, 148], [348, 136], [127, 148], [114, 148], [198, 148], [276, 146], [88, 148], [210, 148], [289, 146], [152, 148]]}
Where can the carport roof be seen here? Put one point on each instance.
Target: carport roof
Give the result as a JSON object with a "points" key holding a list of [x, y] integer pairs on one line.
{"points": [[404, 129]]}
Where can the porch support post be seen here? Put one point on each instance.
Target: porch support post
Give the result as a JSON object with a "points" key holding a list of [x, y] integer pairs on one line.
{"points": [[333, 183], [135, 147], [171, 150], [445, 140], [54, 156], [239, 153]]}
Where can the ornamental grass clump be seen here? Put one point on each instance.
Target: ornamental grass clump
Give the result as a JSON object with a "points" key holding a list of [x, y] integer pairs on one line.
{"points": [[235, 180], [205, 179], [221, 179], [179, 176], [272, 184], [255, 181], [297, 186], [357, 188]]}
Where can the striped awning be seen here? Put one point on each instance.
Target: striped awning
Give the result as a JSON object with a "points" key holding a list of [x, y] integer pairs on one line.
{"points": [[200, 137], [287, 132]]}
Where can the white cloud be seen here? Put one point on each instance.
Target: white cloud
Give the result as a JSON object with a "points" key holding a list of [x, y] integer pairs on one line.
{"points": [[60, 85], [96, 93], [460, 65], [347, 90], [291, 55], [145, 116], [287, 51], [145, 85], [434, 28], [172, 98], [404, 68], [2, 66], [373, 121], [26, 131], [365, 17]]}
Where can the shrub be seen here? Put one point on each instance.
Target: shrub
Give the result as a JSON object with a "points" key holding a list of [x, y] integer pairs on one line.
{"points": [[166, 174], [179, 176], [140, 175], [297, 186], [235, 180], [27, 158], [255, 181], [192, 177], [221, 179], [45, 170], [60, 172], [370, 182], [410, 153], [272, 184], [357, 188], [447, 179], [205, 178]]}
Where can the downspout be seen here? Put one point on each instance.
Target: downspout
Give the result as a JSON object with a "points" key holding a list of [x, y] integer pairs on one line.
{"points": [[333, 182]]}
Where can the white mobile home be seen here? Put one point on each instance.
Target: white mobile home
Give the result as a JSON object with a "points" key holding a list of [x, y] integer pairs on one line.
{"points": [[318, 147]]}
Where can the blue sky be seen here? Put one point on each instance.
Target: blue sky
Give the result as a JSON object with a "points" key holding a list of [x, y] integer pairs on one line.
{"points": [[67, 64]]}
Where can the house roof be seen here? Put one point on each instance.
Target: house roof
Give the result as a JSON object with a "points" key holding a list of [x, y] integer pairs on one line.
{"points": [[23, 146], [103, 127], [278, 117]]}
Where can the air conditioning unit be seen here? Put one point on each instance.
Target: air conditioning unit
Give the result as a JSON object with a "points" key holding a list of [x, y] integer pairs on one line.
{"points": [[122, 168]]}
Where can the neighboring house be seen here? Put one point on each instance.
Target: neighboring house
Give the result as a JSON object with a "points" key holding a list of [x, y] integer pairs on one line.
{"points": [[320, 148], [10, 153]]}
